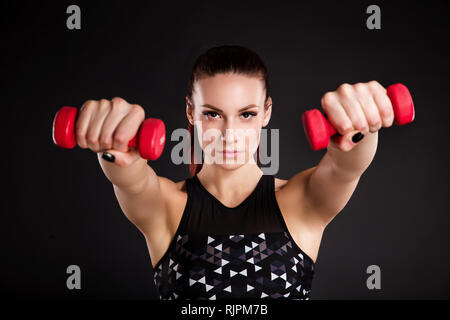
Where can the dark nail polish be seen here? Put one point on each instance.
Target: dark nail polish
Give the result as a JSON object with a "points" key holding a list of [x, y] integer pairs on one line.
{"points": [[357, 137], [108, 157]]}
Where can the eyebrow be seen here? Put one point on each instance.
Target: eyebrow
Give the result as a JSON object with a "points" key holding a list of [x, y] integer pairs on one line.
{"points": [[242, 109]]}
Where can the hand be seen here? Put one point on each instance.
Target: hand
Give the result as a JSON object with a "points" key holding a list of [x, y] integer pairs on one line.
{"points": [[362, 107], [108, 126]]}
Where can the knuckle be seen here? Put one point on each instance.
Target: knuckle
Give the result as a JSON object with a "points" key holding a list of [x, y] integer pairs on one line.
{"points": [[120, 138], [79, 126], [345, 89], [79, 134], [106, 141], [81, 142], [89, 104], [327, 99], [373, 121], [117, 99], [118, 102], [138, 110], [386, 111], [373, 85], [344, 126], [91, 138], [104, 103], [388, 118], [360, 87], [360, 124], [390, 122]]}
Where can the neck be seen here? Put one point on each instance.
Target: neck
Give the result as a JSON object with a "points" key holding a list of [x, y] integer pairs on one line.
{"points": [[227, 182]]}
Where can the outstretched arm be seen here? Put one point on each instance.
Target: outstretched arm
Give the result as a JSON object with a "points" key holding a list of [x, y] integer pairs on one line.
{"points": [[327, 187], [333, 181]]}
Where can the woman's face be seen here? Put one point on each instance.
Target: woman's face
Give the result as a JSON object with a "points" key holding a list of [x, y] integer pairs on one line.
{"points": [[228, 113]]}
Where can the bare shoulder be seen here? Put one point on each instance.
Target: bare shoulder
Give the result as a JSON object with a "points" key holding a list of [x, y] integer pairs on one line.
{"points": [[170, 185], [295, 185], [279, 183]]}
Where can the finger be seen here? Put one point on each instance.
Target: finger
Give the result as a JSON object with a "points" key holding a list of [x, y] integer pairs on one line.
{"points": [[96, 124], [128, 128], [336, 113], [345, 142], [110, 124], [383, 103], [122, 159], [87, 111], [369, 107], [349, 101]]}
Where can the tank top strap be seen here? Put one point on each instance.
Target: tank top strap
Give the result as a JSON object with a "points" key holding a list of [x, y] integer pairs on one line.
{"points": [[265, 195], [268, 185]]}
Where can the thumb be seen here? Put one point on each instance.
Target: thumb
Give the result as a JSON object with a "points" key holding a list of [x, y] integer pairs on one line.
{"points": [[347, 141], [122, 159]]}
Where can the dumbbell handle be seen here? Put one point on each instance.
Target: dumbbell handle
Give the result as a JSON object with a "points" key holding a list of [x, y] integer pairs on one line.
{"points": [[318, 129], [149, 140]]}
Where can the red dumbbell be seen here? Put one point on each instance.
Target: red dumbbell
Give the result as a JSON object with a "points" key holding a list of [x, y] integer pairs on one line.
{"points": [[149, 140], [318, 129]]}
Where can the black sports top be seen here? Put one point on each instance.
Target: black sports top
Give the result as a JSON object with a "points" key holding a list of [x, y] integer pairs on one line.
{"points": [[220, 252]]}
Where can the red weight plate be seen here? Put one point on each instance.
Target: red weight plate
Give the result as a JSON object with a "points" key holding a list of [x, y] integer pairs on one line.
{"points": [[315, 127], [63, 131], [152, 137], [402, 103]]}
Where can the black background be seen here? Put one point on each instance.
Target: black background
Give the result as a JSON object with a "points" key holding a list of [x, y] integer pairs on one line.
{"points": [[58, 208]]}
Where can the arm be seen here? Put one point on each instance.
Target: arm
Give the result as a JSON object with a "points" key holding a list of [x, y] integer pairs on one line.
{"points": [[138, 191], [131, 179], [108, 125], [327, 187], [332, 182]]}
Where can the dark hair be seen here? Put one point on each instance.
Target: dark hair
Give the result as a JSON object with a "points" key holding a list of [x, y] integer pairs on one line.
{"points": [[224, 59]]}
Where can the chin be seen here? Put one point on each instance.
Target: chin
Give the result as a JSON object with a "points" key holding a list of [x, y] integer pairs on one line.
{"points": [[232, 164]]}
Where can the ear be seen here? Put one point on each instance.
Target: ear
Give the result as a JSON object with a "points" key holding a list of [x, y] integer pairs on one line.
{"points": [[267, 111], [189, 111]]}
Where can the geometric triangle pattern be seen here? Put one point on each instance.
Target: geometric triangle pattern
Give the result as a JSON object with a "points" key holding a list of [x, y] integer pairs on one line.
{"points": [[212, 267]]}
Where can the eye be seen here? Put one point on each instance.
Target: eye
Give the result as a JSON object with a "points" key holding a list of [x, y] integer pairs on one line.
{"points": [[249, 115], [210, 114]]}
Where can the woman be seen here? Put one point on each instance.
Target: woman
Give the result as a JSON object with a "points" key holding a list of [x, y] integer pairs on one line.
{"points": [[229, 231]]}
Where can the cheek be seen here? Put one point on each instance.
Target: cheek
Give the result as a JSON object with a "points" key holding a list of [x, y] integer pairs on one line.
{"points": [[250, 138], [254, 140]]}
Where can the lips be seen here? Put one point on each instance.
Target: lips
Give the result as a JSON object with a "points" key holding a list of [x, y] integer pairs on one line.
{"points": [[230, 153]]}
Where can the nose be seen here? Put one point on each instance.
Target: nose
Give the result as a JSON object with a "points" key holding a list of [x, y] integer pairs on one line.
{"points": [[229, 136]]}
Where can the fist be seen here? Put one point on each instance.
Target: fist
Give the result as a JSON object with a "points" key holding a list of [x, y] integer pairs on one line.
{"points": [[361, 107], [107, 126]]}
